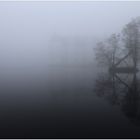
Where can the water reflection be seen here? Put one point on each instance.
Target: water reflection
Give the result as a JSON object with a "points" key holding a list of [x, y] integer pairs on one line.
{"points": [[122, 90]]}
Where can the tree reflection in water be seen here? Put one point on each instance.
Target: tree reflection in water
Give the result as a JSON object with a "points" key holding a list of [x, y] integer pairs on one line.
{"points": [[122, 90]]}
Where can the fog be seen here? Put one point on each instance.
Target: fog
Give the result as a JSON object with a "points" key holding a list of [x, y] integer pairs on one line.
{"points": [[49, 83], [38, 34]]}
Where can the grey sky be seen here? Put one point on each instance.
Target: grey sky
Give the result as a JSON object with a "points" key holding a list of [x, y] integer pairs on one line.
{"points": [[36, 33]]}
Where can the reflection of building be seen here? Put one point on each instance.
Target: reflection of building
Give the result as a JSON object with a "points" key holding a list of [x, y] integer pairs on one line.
{"points": [[122, 90]]}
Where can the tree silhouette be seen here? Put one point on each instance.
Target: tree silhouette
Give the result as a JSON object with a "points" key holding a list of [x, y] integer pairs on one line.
{"points": [[116, 49]]}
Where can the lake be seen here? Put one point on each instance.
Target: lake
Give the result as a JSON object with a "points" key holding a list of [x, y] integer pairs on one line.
{"points": [[64, 101]]}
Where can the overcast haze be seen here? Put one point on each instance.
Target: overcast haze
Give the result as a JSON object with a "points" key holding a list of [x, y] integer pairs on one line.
{"points": [[35, 34], [50, 85]]}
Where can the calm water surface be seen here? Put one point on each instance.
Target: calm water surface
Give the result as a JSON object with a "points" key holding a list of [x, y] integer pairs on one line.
{"points": [[66, 102]]}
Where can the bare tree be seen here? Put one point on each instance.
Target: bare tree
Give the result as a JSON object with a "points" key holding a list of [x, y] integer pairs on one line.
{"points": [[131, 39], [106, 51], [127, 44]]}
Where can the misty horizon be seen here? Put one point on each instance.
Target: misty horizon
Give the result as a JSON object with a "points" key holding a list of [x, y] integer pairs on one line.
{"points": [[41, 33], [51, 84]]}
